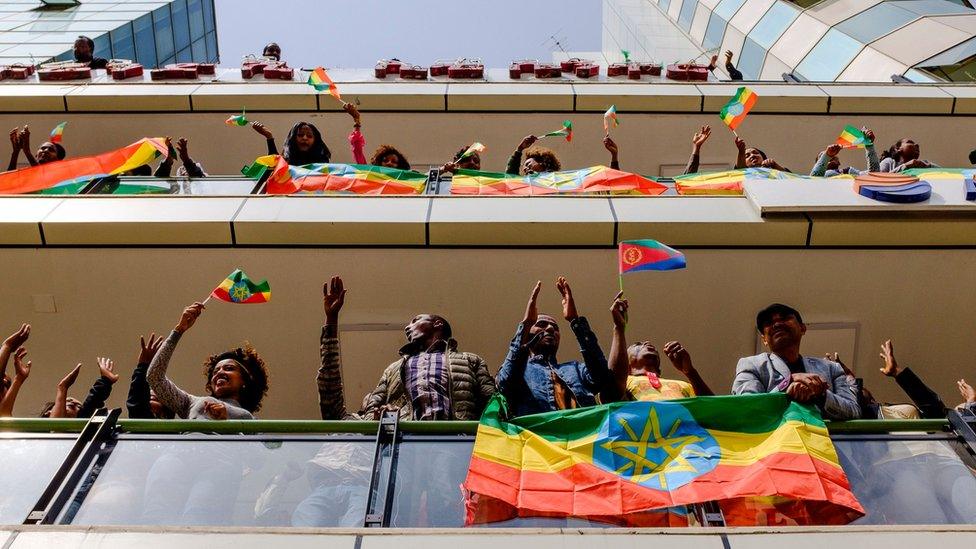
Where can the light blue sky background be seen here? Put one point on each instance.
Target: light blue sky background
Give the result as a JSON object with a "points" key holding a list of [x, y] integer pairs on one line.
{"points": [[356, 33]]}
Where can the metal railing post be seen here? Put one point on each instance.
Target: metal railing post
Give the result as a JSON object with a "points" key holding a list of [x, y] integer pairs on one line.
{"points": [[378, 509]]}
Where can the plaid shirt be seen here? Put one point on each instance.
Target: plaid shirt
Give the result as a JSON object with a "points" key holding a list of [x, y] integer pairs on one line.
{"points": [[428, 383]]}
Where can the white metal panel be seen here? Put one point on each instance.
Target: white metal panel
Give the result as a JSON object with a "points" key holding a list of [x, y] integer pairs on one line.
{"points": [[799, 39]]}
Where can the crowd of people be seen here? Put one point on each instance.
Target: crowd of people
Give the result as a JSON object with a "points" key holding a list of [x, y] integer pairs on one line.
{"points": [[433, 380]]}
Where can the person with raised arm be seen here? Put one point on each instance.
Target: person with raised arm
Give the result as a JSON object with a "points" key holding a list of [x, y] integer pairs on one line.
{"points": [[304, 144]]}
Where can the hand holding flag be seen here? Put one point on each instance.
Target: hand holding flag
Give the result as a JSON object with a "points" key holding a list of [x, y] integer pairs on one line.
{"points": [[238, 288], [475, 148], [610, 115], [852, 137], [566, 131], [648, 255]]}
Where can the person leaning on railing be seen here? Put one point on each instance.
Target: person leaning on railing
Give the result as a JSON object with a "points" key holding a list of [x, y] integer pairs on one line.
{"points": [[304, 143], [101, 389], [470, 162], [537, 159], [431, 381], [20, 142], [141, 401], [904, 155], [828, 165], [752, 157]]}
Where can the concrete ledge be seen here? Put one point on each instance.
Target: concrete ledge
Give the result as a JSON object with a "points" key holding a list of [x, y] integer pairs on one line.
{"points": [[904, 229], [20, 218], [509, 97], [233, 97], [887, 99], [124, 98], [638, 97], [772, 98]]}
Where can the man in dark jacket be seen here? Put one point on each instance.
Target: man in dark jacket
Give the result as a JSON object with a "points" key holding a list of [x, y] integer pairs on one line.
{"points": [[531, 378], [84, 51]]}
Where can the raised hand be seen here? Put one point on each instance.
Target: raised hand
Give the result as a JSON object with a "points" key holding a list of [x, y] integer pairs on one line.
{"points": [[700, 138], [527, 142], [21, 368], [69, 380], [610, 146], [967, 391], [24, 138], [618, 311], [531, 308], [148, 350], [740, 144], [18, 338], [334, 295], [190, 315], [183, 148], [679, 357], [352, 110], [261, 129], [569, 305], [890, 367], [15, 138], [107, 369], [869, 134], [832, 150]]}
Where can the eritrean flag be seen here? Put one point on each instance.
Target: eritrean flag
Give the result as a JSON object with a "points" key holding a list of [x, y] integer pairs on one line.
{"points": [[237, 120], [566, 131], [585, 180], [57, 133], [608, 117], [648, 255], [735, 111], [852, 137], [78, 170], [321, 82], [335, 178], [238, 288], [618, 462]]}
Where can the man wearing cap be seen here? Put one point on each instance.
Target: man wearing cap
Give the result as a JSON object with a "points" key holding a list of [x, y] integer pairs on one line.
{"points": [[804, 379]]}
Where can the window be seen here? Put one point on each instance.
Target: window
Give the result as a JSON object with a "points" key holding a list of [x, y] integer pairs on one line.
{"points": [[195, 9], [164, 32], [687, 14], [719, 20], [208, 16], [933, 7], [103, 46], [751, 59], [181, 25], [122, 45], [212, 53], [829, 57], [184, 56], [773, 24], [199, 49], [145, 41], [727, 8], [876, 22]]}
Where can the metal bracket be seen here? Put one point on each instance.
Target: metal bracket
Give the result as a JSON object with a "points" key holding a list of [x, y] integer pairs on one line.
{"points": [[964, 427], [379, 501], [433, 181], [99, 430], [709, 514]]}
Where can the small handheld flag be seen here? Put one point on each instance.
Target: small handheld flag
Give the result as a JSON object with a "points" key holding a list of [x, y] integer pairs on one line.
{"points": [[648, 255], [626, 56], [237, 120], [852, 137], [57, 132], [321, 82], [735, 111], [475, 148], [566, 131], [238, 288], [610, 115]]}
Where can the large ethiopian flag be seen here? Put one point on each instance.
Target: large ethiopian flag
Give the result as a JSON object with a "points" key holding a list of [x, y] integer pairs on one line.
{"points": [[762, 457]]}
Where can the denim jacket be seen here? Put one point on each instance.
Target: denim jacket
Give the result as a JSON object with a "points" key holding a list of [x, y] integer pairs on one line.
{"points": [[526, 382]]}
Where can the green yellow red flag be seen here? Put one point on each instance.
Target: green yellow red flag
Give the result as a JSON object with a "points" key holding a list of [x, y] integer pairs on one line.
{"points": [[619, 462], [735, 111], [238, 288], [852, 137], [334, 178]]}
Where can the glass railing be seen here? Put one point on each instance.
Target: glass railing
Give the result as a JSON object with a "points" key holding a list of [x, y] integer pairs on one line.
{"points": [[347, 474]]}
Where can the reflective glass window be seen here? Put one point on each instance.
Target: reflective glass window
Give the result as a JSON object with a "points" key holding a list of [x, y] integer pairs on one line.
{"points": [[208, 16], [871, 24], [727, 8], [164, 32], [933, 7], [184, 56], [715, 32], [29, 464], [199, 49], [168, 481], [829, 57], [122, 45], [909, 481], [145, 41], [181, 25], [665, 4], [212, 53], [751, 59], [687, 14], [195, 12], [773, 24], [103, 46]]}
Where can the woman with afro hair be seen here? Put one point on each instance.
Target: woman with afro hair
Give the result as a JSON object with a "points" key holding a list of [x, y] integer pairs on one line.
{"points": [[237, 380], [389, 157], [537, 159]]}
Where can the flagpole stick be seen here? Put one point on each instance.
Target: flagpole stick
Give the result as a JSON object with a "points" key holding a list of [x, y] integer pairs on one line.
{"points": [[208, 299], [620, 278]]}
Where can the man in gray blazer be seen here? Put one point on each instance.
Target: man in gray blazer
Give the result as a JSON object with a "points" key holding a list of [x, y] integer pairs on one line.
{"points": [[804, 379]]}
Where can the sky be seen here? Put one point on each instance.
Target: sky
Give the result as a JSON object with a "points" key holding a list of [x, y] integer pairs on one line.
{"points": [[357, 33]]}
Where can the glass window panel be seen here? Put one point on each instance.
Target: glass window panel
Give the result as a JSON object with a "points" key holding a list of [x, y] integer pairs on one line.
{"points": [[829, 57], [715, 32], [181, 25], [773, 24], [665, 4], [953, 55], [751, 59], [122, 45], [909, 481], [727, 8], [212, 54], [427, 480], [164, 32], [29, 464], [208, 16], [876, 22], [145, 41], [687, 14], [103, 46], [195, 12], [933, 7], [184, 56], [169, 481], [199, 49]]}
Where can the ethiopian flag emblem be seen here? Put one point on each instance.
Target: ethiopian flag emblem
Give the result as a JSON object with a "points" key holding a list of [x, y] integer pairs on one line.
{"points": [[238, 288], [636, 463]]}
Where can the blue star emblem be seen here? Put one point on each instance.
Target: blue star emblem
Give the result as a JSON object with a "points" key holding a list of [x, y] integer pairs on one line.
{"points": [[239, 292]]}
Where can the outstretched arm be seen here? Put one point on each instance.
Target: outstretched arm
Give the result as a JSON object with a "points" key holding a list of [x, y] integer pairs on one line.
{"points": [[512, 371], [168, 393], [514, 166], [619, 361], [925, 399], [596, 371], [681, 360], [101, 389], [14, 149], [61, 398], [740, 159], [26, 147], [612, 147], [264, 131], [13, 342], [697, 141], [332, 401], [137, 402], [21, 371]]}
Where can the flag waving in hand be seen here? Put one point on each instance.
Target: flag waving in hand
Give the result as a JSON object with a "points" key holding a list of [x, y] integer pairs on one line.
{"points": [[238, 288], [735, 111], [648, 255]]}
